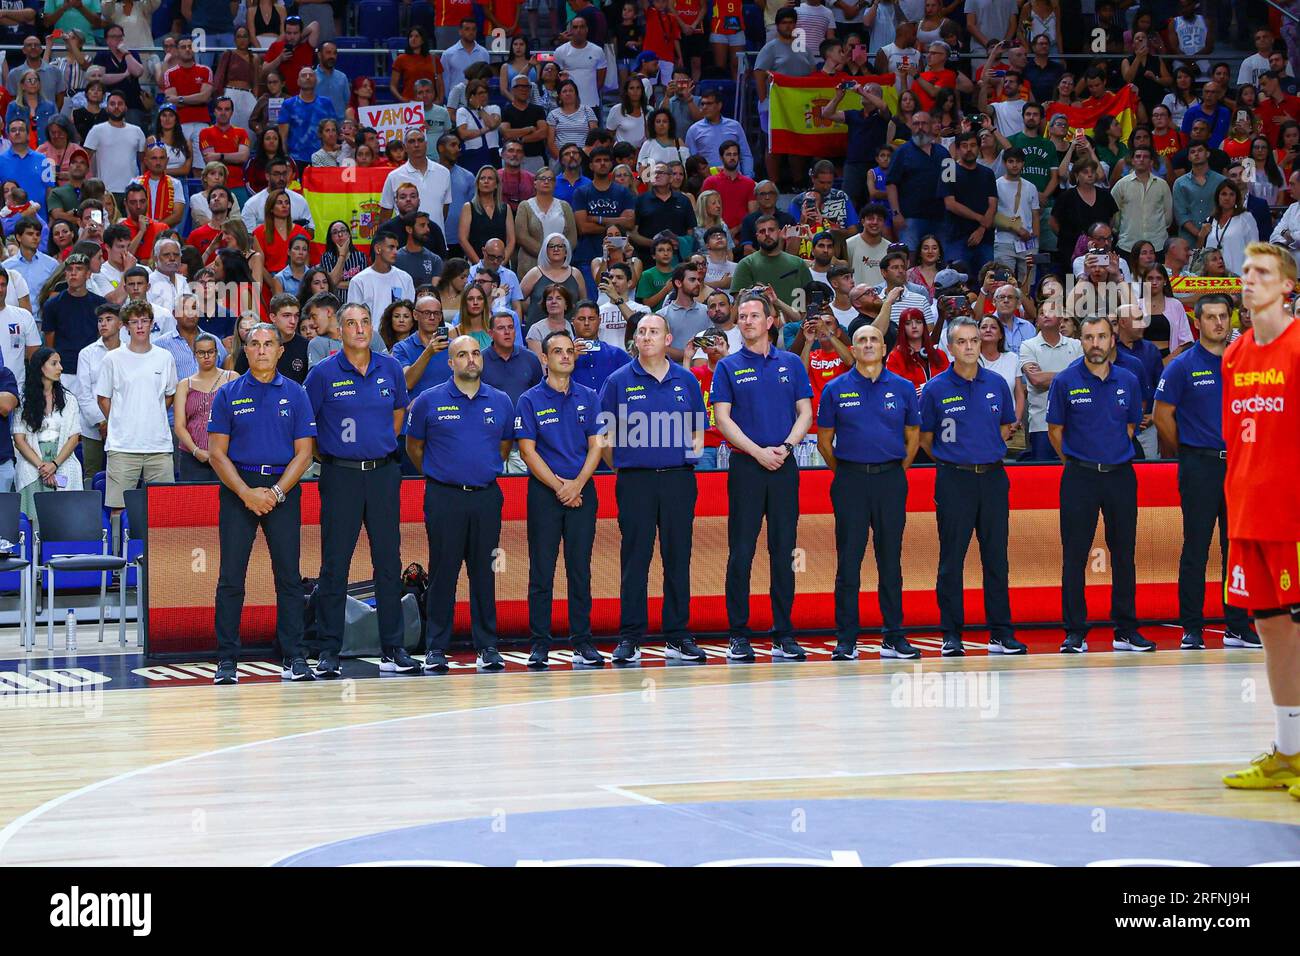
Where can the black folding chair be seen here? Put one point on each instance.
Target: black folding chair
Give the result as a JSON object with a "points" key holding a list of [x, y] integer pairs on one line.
{"points": [[137, 510], [70, 517], [12, 531]]}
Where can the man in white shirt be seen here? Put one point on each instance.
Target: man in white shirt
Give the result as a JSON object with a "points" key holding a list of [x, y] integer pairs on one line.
{"points": [[584, 62], [431, 179], [115, 147], [1287, 231], [617, 304], [277, 177], [988, 21], [1015, 246], [1256, 65], [21, 337], [94, 426], [135, 388], [136, 281], [166, 284], [1041, 357], [867, 249], [380, 285]]}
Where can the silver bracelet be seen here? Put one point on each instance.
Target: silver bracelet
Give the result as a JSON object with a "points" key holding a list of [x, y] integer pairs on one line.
{"points": [[279, 495]]}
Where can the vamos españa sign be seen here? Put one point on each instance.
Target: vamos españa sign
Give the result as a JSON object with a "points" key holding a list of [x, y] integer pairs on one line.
{"points": [[392, 119]]}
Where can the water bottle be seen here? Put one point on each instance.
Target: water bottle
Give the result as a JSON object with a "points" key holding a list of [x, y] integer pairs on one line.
{"points": [[71, 631]]}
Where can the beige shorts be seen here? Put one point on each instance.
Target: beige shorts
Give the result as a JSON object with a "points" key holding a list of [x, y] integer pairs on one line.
{"points": [[125, 469]]}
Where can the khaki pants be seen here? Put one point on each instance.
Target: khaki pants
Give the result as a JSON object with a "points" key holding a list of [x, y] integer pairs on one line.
{"points": [[126, 469]]}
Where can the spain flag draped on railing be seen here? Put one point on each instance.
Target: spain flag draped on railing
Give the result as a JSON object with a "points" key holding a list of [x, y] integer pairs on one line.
{"points": [[796, 103], [1121, 104], [347, 193]]}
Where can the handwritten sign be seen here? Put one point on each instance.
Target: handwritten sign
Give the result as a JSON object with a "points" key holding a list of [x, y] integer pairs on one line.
{"points": [[392, 120]]}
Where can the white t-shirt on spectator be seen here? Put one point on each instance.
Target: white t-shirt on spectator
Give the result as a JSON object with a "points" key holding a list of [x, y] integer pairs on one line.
{"points": [[1007, 204], [380, 290], [613, 326], [992, 17], [19, 332], [1010, 117], [116, 154], [581, 65], [137, 384], [17, 289]]}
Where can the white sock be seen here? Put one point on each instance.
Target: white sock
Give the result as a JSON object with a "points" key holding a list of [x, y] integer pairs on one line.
{"points": [[1288, 730]]}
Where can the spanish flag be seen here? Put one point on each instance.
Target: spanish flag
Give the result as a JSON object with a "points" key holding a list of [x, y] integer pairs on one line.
{"points": [[1121, 104], [797, 127], [347, 193]]}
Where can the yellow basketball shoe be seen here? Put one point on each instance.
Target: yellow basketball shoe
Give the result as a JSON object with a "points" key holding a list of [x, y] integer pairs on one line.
{"points": [[1270, 771]]}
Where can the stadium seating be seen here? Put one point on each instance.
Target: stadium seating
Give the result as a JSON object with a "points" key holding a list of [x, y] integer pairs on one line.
{"points": [[379, 18]]}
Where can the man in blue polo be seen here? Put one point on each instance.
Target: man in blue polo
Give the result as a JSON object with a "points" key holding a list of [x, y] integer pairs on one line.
{"points": [[1129, 339], [458, 433], [762, 405], [967, 413], [652, 416], [557, 426], [509, 367], [260, 443], [422, 355], [1093, 409], [359, 399], [597, 360], [868, 432], [1189, 417]]}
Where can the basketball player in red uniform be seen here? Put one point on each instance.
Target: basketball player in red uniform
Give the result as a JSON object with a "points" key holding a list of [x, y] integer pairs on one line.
{"points": [[1261, 428]]}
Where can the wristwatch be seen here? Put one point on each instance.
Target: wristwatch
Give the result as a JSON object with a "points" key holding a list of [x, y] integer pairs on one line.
{"points": [[788, 447], [279, 495]]}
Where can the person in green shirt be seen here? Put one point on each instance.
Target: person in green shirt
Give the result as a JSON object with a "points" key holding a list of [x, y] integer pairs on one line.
{"points": [[1041, 161], [771, 266], [62, 201], [655, 282], [84, 16]]}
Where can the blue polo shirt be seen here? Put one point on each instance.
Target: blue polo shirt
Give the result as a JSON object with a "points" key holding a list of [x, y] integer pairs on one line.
{"points": [[636, 409], [1219, 121], [263, 419], [977, 409], [762, 391], [354, 412], [462, 436], [408, 351], [597, 360], [868, 417], [1152, 366], [514, 375], [1095, 413], [1193, 385], [560, 423]]}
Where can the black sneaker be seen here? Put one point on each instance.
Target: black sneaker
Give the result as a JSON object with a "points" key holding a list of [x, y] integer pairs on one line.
{"points": [[1193, 641], [789, 649], [1074, 644], [539, 659], [627, 652], [685, 650], [845, 651], [952, 646], [327, 668], [1132, 642], [587, 655], [227, 673], [397, 661], [490, 660], [295, 669], [739, 650], [435, 662], [1247, 638], [1007, 645], [898, 647]]}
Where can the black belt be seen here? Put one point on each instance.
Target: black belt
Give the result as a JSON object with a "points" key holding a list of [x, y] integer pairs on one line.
{"points": [[447, 484], [261, 469], [870, 469], [1221, 455], [976, 469], [1098, 465], [356, 464], [636, 471]]}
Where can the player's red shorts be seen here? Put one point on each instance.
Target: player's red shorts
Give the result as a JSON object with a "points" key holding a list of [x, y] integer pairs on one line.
{"points": [[1262, 575]]}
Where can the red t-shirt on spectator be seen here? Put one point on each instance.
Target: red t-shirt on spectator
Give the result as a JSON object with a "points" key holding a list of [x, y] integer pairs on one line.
{"points": [[231, 141], [1273, 115], [944, 79], [304, 54], [275, 248], [449, 13], [662, 31], [201, 237], [826, 365], [736, 196], [704, 375], [187, 81], [151, 232], [1167, 144]]}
